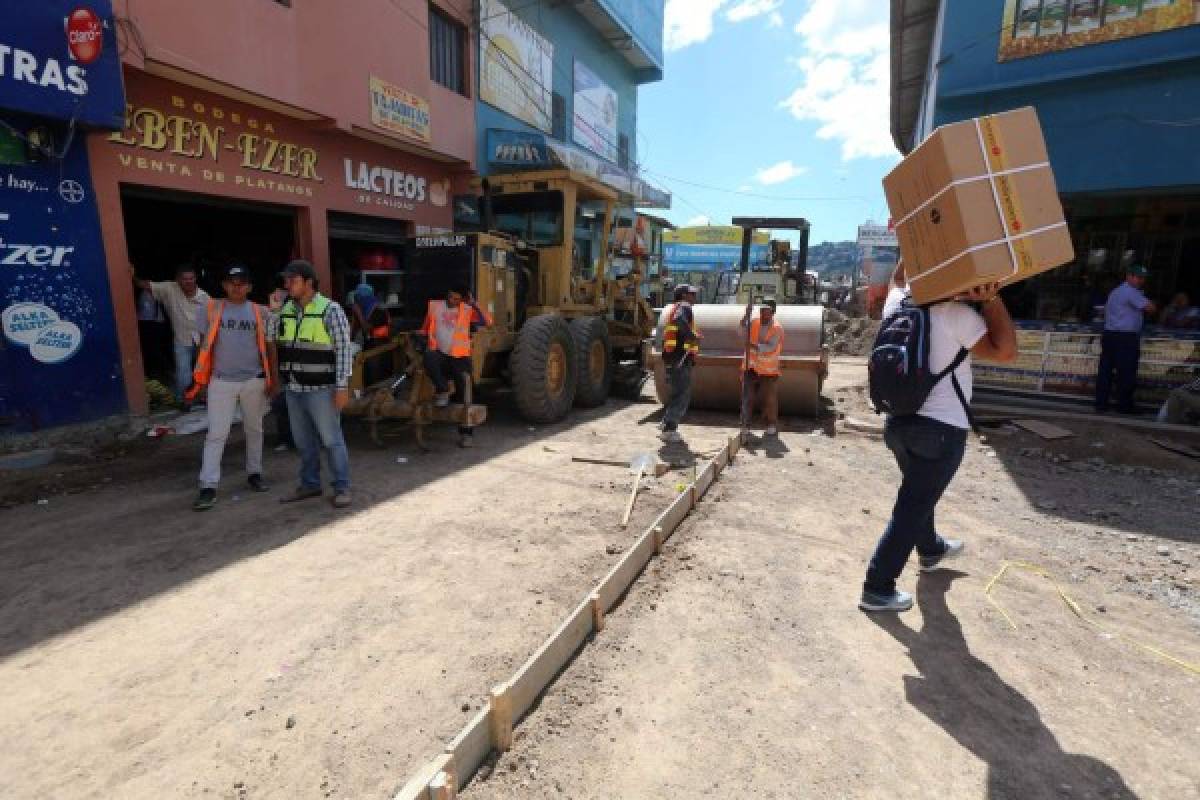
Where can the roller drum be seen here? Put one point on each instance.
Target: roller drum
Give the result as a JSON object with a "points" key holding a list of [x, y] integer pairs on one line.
{"points": [[716, 378]]}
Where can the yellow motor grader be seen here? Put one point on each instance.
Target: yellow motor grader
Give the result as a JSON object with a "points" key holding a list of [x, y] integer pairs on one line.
{"points": [[565, 332]]}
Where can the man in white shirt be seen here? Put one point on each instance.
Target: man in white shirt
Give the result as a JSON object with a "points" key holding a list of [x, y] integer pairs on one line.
{"points": [[930, 444], [183, 300]]}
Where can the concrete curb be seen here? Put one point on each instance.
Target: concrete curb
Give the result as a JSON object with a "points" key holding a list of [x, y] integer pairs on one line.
{"points": [[491, 729]]}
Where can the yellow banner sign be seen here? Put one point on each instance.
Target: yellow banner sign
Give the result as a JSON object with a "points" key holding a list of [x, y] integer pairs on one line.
{"points": [[711, 234], [399, 110], [1034, 27]]}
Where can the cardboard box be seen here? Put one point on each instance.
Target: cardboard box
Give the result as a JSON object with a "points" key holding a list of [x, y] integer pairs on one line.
{"points": [[976, 203]]}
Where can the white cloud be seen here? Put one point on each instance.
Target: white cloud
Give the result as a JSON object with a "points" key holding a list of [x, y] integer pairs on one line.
{"points": [[775, 20], [779, 173], [844, 59], [689, 21], [749, 9], [703, 219], [745, 187]]}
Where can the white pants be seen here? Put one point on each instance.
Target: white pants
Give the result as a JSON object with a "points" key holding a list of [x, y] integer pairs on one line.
{"points": [[223, 398]]}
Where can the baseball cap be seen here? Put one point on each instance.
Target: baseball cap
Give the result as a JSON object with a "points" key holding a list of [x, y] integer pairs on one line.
{"points": [[301, 268], [1137, 270], [237, 272]]}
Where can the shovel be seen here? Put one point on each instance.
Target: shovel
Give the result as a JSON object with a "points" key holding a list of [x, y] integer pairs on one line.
{"points": [[639, 464], [646, 460]]}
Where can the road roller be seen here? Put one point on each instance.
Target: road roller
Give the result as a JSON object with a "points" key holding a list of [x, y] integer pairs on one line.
{"points": [[717, 374]]}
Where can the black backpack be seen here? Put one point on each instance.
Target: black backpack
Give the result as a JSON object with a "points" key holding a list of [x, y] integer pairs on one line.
{"points": [[898, 370]]}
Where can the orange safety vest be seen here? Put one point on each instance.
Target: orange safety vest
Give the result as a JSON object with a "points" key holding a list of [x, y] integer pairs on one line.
{"points": [[202, 374], [671, 334], [763, 357], [460, 344]]}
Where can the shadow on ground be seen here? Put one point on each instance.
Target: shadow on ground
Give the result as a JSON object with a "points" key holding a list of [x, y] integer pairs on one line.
{"points": [[76, 559], [985, 715]]}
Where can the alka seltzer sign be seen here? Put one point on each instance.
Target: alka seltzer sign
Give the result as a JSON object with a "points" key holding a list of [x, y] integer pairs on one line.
{"points": [[399, 110], [1034, 27], [196, 139]]}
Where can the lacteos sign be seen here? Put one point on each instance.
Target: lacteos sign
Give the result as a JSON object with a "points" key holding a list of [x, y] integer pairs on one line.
{"points": [[85, 35], [381, 180]]}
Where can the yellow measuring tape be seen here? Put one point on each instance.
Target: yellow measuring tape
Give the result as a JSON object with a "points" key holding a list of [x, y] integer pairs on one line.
{"points": [[1077, 611]]}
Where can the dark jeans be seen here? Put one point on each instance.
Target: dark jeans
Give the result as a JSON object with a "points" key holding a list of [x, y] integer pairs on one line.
{"points": [[1119, 351], [928, 453], [439, 365], [679, 388]]}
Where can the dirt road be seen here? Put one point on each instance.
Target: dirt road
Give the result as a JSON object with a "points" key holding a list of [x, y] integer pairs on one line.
{"points": [[254, 651], [740, 666]]}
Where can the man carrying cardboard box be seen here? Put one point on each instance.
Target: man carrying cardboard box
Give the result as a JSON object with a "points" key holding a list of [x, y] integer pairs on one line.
{"points": [[1121, 345], [929, 444]]}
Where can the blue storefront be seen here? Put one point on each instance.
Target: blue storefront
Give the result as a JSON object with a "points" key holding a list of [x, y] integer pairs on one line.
{"points": [[558, 86], [1116, 84], [60, 76]]}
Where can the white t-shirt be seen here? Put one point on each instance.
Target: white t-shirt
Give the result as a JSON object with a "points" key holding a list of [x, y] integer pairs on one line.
{"points": [[953, 326]]}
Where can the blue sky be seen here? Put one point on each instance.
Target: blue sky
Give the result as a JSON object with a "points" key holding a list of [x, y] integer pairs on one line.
{"points": [[780, 98]]}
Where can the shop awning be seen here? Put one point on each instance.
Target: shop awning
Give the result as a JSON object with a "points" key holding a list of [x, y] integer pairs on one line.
{"points": [[913, 26]]}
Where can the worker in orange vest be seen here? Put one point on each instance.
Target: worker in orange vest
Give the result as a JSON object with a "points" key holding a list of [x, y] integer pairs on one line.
{"points": [[761, 367], [681, 345], [236, 366], [449, 324]]}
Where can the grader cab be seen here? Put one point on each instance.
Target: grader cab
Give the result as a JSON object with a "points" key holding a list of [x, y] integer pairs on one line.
{"points": [[564, 329]]}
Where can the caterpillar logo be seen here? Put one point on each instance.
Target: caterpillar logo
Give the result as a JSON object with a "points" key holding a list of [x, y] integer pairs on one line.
{"points": [[33, 255]]}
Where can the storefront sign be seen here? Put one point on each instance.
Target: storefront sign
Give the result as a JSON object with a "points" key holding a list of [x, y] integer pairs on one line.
{"points": [[399, 110], [59, 361], [518, 149], [59, 60], [193, 138], [516, 66], [712, 234], [394, 188], [1034, 27], [871, 235], [594, 123]]}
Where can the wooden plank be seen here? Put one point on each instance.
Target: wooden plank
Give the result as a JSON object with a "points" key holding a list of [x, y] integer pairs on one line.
{"points": [[417, 787], [669, 520], [442, 787], [1176, 447], [549, 659], [1044, 430], [705, 479], [722, 459], [1084, 416], [625, 571], [500, 718], [470, 748], [597, 612]]}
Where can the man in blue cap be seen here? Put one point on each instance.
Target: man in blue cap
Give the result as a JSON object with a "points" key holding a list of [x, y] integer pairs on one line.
{"points": [[1121, 345]]}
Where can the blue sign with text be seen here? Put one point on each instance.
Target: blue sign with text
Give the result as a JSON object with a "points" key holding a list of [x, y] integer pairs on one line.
{"points": [[59, 359], [59, 59]]}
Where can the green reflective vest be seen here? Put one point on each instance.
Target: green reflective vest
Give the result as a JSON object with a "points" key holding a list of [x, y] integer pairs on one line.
{"points": [[306, 355]]}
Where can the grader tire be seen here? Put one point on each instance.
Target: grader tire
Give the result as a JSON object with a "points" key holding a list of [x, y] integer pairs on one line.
{"points": [[593, 361], [543, 369]]}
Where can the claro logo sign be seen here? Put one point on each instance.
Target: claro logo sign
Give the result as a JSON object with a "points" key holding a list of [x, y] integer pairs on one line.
{"points": [[85, 35]]}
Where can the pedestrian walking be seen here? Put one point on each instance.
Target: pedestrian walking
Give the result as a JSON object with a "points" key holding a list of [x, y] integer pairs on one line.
{"points": [[315, 363], [681, 344], [761, 367], [184, 302], [448, 325], [929, 443], [1121, 343], [236, 366]]}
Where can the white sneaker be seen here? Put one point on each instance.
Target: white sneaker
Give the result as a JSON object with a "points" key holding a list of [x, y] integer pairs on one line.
{"points": [[671, 436], [772, 430], [281, 448], [954, 549], [441, 400]]}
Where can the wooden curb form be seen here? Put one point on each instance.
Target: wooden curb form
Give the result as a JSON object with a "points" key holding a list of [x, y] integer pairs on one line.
{"points": [[492, 728]]}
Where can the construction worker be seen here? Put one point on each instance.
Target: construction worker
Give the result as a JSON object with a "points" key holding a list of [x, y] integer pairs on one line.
{"points": [[761, 367], [236, 365], [315, 362], [449, 324], [681, 344]]}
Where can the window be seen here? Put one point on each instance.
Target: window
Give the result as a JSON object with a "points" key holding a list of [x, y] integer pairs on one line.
{"points": [[558, 116], [535, 217], [447, 53], [623, 151]]}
